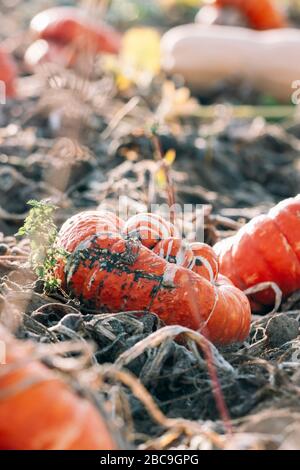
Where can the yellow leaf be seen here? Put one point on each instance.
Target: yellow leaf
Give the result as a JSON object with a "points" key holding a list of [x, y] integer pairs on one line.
{"points": [[112, 65], [160, 178], [123, 82], [170, 157], [141, 49]]}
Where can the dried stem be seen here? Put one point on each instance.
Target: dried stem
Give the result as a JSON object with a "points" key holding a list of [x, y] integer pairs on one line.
{"points": [[170, 185], [211, 354]]}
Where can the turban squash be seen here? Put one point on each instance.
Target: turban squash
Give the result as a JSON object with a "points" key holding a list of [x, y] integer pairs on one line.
{"points": [[142, 264]]}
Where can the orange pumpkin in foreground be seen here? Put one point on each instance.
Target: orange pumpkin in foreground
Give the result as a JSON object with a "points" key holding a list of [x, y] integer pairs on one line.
{"points": [[267, 249], [111, 268], [38, 411]]}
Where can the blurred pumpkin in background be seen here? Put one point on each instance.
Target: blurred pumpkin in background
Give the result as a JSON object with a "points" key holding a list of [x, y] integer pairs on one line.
{"points": [[64, 34], [257, 14], [8, 74]]}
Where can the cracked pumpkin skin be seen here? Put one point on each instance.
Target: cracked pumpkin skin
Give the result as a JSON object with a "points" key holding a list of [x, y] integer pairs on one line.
{"points": [[108, 272], [267, 249]]}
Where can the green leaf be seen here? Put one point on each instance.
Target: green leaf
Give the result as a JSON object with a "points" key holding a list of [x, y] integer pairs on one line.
{"points": [[40, 228]]}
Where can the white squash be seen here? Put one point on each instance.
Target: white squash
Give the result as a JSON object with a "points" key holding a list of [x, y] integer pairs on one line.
{"points": [[206, 55]]}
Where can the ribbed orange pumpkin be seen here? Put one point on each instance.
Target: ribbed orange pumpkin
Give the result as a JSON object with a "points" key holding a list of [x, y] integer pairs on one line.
{"points": [[112, 270], [205, 261], [174, 250], [267, 249]]}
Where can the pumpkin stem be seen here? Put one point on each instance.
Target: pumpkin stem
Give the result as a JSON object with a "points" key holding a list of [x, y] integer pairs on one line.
{"points": [[40, 228]]}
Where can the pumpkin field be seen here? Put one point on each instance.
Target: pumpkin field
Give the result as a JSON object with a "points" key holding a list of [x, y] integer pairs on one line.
{"points": [[149, 225]]}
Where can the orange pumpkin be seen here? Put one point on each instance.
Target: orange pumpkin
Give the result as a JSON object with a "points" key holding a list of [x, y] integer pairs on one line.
{"points": [[8, 73], [267, 249], [67, 25], [149, 228], [261, 14], [38, 411], [205, 261], [42, 52], [174, 250], [112, 271], [81, 226]]}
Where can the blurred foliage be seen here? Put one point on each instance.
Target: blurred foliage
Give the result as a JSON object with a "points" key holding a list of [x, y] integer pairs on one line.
{"points": [[133, 10], [152, 11], [168, 13], [141, 49], [139, 59], [175, 102], [174, 3]]}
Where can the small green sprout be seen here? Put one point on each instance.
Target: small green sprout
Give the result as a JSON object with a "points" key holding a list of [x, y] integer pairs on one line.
{"points": [[40, 228]]}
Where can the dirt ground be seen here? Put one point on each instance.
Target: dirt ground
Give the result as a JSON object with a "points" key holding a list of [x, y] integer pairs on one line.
{"points": [[86, 155]]}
